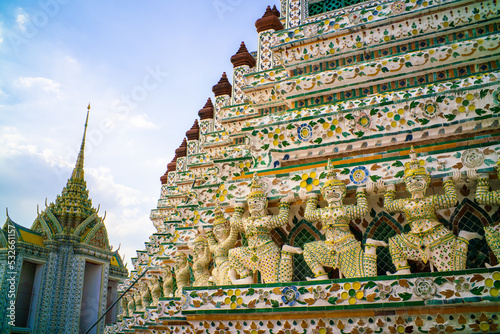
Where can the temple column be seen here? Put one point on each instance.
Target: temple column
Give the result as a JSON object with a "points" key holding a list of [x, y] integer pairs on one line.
{"points": [[242, 63], [222, 92], [266, 25], [206, 120]]}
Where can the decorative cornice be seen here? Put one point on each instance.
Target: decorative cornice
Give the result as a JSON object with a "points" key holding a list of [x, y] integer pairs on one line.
{"points": [[269, 21], [223, 87], [194, 132], [182, 150], [207, 112], [243, 57], [276, 11]]}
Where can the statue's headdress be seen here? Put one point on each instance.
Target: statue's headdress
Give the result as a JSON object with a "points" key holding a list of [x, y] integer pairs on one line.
{"points": [[219, 216], [256, 188], [332, 179], [414, 166], [199, 239], [181, 254]]}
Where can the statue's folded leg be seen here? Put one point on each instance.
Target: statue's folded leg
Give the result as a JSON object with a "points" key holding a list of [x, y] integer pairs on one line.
{"points": [[240, 259], [269, 261], [400, 253], [449, 252], [492, 235], [318, 254], [369, 264], [223, 273], [370, 256], [286, 267], [286, 263], [354, 262]]}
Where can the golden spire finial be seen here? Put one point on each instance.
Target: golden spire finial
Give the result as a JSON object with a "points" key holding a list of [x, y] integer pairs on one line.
{"points": [[78, 171], [413, 154]]}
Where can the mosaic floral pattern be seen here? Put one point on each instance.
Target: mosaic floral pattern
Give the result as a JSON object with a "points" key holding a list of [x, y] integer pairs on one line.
{"points": [[408, 63], [290, 295], [455, 18], [494, 284], [304, 132], [276, 136], [430, 109], [472, 158], [359, 175], [366, 291], [496, 96], [329, 126], [309, 181]]}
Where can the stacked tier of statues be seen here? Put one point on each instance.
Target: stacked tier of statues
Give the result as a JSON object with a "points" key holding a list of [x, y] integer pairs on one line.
{"points": [[216, 260]]}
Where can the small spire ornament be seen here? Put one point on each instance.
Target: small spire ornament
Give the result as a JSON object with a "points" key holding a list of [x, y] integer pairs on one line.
{"points": [[332, 177], [414, 166], [256, 187], [219, 216]]}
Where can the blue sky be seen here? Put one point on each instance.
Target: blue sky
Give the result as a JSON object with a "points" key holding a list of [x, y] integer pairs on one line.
{"points": [[146, 67]]}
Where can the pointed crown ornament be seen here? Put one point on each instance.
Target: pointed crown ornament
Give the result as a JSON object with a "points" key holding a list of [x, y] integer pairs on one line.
{"points": [[219, 216], [199, 239], [180, 254], [332, 181], [414, 166], [256, 188]]}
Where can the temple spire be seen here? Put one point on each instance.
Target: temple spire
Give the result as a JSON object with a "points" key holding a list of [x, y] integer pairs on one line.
{"points": [[78, 171]]}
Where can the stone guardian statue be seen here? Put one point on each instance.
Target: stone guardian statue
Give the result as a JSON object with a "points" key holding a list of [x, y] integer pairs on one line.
{"points": [[340, 249]]}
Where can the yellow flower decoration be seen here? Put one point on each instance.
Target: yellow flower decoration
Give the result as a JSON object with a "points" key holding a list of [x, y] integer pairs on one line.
{"points": [[246, 164], [494, 284], [309, 181], [196, 217], [220, 194], [233, 299], [465, 104], [352, 292], [277, 136], [396, 117], [332, 128]]}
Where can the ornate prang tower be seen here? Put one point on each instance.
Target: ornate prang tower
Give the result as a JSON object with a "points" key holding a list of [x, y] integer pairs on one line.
{"points": [[65, 274]]}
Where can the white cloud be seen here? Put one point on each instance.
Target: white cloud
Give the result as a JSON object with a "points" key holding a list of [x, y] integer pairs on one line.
{"points": [[13, 143], [71, 61], [127, 218], [1, 32], [44, 84], [22, 18], [157, 163], [127, 121], [108, 188], [129, 229], [57, 160], [141, 121]]}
